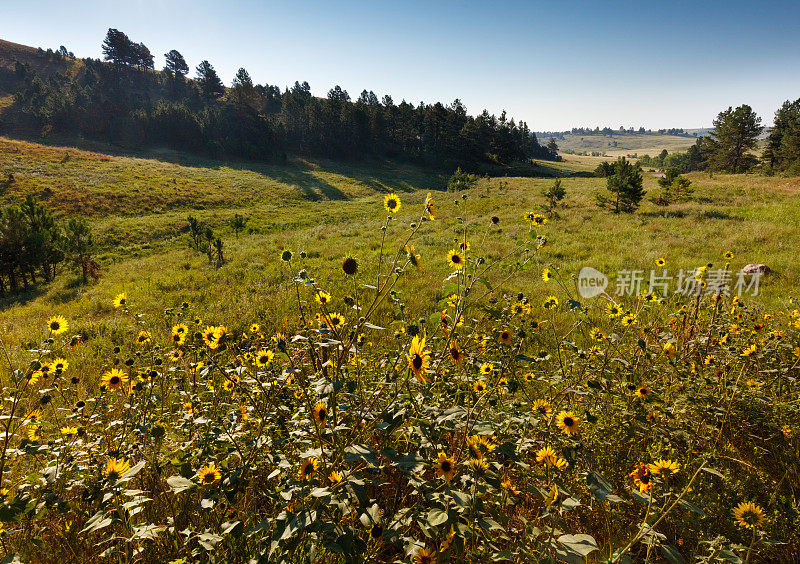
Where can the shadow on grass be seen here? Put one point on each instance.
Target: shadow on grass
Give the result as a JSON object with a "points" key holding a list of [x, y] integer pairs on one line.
{"points": [[20, 297]]}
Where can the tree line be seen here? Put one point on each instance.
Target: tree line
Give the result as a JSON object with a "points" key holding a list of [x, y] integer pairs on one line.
{"points": [[124, 101], [33, 243]]}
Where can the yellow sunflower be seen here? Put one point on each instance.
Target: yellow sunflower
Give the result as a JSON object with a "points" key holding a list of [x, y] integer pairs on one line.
{"points": [[596, 334], [57, 324], [419, 358], [307, 469], [179, 333], [114, 379], [664, 467], [643, 392], [629, 320], [413, 257], [264, 357], [121, 300], [749, 351], [335, 478], [323, 297], [429, 206], [116, 468], [59, 365], [479, 387], [547, 274], [487, 368], [143, 338], [455, 259], [613, 310], [542, 407], [660, 262], [748, 515], [642, 478], [209, 474], [728, 255], [551, 302], [425, 556], [456, 354], [548, 458], [445, 466], [321, 414], [568, 422], [391, 203]]}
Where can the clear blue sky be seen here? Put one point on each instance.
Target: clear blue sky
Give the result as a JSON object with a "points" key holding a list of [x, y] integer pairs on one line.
{"points": [[555, 64]]}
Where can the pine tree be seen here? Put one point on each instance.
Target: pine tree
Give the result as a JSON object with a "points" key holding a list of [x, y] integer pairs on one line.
{"points": [[735, 133], [176, 64], [210, 84], [626, 186]]}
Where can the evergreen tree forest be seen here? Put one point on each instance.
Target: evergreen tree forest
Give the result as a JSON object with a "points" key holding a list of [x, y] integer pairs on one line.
{"points": [[124, 101]]}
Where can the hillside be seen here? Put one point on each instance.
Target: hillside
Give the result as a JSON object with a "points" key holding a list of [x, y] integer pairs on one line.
{"points": [[616, 145]]}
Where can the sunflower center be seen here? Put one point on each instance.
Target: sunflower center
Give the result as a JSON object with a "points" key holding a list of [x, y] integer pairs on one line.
{"points": [[417, 362], [208, 478], [114, 380], [322, 415], [569, 421], [446, 466], [308, 470], [55, 325]]}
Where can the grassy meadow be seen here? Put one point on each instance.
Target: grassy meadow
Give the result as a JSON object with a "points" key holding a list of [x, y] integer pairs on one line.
{"points": [[628, 144], [294, 406]]}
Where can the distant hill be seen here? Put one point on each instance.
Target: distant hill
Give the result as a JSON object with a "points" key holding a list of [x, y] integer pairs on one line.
{"points": [[620, 145]]}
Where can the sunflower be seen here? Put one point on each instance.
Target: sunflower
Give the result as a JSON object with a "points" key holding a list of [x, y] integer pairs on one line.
{"points": [[255, 328], [535, 218], [349, 266], [57, 324], [179, 333], [568, 422], [307, 469], [548, 458], [59, 365], [456, 354], [429, 207], [629, 320], [728, 255], [505, 336], [520, 309], [664, 467], [474, 446], [320, 414], [552, 497], [121, 300], [143, 338], [264, 357], [114, 379], [413, 257], [749, 351], [748, 514], [323, 297], [392, 203], [335, 478], [211, 336], [487, 368], [542, 407], [419, 358], [503, 384], [550, 302], [209, 474], [507, 485], [596, 334], [34, 433], [613, 310], [425, 556], [660, 262], [455, 259], [229, 385], [547, 274], [116, 468], [69, 431], [642, 478], [642, 392], [478, 465], [335, 320], [45, 369], [479, 387], [175, 355], [445, 466]]}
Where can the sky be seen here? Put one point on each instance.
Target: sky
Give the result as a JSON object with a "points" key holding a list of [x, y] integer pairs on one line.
{"points": [[556, 65]]}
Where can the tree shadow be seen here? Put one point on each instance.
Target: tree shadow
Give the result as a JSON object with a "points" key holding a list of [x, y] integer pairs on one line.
{"points": [[20, 297]]}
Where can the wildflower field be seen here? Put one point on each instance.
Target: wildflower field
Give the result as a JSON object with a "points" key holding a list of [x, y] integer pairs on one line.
{"points": [[430, 389]]}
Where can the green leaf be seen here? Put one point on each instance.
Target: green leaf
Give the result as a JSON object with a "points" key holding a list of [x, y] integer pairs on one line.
{"points": [[671, 554], [180, 484], [600, 489], [581, 544], [437, 517]]}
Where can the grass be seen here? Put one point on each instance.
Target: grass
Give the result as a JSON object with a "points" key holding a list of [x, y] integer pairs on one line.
{"points": [[628, 144], [703, 405], [138, 209]]}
